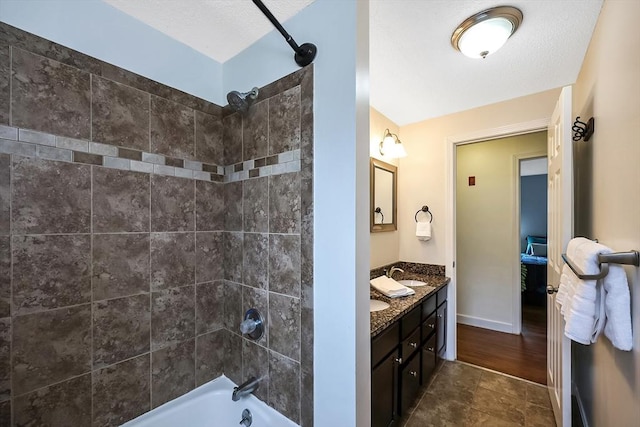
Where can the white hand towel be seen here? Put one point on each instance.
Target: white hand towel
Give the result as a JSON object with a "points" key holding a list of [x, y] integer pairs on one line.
{"points": [[582, 300], [390, 287], [617, 305], [423, 231], [563, 291], [579, 308]]}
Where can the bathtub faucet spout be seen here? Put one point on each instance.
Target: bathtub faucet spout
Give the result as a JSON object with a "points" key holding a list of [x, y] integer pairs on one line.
{"points": [[245, 388]]}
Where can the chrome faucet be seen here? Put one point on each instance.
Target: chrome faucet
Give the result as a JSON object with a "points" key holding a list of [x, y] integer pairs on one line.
{"points": [[245, 388], [393, 270]]}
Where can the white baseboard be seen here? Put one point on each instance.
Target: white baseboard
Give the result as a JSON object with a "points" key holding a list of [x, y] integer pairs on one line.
{"points": [[485, 323]]}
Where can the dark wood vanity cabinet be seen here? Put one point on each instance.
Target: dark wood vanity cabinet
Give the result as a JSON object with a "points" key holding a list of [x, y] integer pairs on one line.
{"points": [[441, 323], [410, 333], [429, 359], [385, 359], [384, 381], [409, 382], [404, 356]]}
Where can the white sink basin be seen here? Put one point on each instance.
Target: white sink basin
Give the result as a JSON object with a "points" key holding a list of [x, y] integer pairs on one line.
{"points": [[377, 305], [411, 283]]}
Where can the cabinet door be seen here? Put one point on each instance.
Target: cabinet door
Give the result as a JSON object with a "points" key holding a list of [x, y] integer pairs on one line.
{"points": [[442, 328], [410, 345], [429, 327], [410, 383], [428, 359], [384, 384]]}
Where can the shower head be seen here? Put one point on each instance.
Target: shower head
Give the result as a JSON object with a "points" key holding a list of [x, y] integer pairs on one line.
{"points": [[241, 101]]}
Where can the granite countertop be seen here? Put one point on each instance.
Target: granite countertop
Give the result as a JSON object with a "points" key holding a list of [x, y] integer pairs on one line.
{"points": [[380, 320]]}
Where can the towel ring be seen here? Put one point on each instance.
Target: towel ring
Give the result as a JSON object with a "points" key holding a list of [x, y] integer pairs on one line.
{"points": [[379, 211], [425, 209]]}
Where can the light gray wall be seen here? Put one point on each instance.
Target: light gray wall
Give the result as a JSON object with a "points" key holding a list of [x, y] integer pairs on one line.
{"points": [[341, 128], [341, 196], [485, 221], [608, 201], [533, 207], [98, 29], [385, 246]]}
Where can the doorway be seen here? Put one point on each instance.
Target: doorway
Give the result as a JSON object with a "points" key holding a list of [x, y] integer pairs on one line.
{"points": [[533, 252], [495, 330]]}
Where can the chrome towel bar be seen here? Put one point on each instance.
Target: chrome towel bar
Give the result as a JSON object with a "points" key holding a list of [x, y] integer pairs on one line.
{"points": [[628, 258]]}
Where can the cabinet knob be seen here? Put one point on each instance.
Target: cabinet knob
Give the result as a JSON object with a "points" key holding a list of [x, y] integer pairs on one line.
{"points": [[413, 344], [432, 326], [413, 373], [398, 360], [439, 316], [430, 349]]}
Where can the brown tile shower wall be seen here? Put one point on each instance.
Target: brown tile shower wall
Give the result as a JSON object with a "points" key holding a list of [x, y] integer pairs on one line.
{"points": [[272, 221], [121, 290], [107, 283]]}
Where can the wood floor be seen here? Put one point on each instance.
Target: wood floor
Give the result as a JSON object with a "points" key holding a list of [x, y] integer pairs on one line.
{"points": [[523, 356]]}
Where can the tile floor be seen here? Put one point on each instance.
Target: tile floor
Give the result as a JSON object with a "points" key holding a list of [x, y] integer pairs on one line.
{"points": [[462, 395]]}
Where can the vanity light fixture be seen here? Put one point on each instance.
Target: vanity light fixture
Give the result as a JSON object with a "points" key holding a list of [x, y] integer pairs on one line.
{"points": [[391, 146], [485, 32]]}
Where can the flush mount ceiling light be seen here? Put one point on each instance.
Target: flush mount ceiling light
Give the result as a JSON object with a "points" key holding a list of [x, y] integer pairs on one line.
{"points": [[391, 146], [484, 33]]}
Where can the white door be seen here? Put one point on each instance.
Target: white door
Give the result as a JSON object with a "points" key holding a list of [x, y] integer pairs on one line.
{"points": [[560, 231]]}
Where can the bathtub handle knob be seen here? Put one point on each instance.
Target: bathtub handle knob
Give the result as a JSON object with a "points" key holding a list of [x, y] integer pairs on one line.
{"points": [[253, 324], [247, 419], [248, 326]]}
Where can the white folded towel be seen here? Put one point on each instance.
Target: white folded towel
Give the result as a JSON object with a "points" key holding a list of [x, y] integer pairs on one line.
{"points": [[582, 300], [390, 287], [581, 308], [617, 305], [423, 231], [589, 307]]}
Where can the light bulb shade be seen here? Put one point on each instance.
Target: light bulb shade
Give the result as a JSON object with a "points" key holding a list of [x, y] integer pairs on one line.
{"points": [[485, 38], [486, 32], [391, 147], [398, 150]]}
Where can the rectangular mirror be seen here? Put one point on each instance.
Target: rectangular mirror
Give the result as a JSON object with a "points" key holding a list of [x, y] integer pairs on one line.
{"points": [[384, 184]]}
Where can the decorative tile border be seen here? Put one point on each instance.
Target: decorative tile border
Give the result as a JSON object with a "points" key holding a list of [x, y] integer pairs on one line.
{"points": [[29, 143]]}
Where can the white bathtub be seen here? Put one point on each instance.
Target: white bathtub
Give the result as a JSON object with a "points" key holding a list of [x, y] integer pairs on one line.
{"points": [[210, 405]]}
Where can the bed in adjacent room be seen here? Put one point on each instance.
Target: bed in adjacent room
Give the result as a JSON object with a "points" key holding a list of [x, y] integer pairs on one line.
{"points": [[533, 267]]}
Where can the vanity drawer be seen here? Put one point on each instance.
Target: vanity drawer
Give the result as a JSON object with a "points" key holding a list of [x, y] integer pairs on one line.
{"points": [[429, 326], [429, 359], [410, 344], [410, 384], [384, 343], [409, 322], [442, 295], [429, 306]]}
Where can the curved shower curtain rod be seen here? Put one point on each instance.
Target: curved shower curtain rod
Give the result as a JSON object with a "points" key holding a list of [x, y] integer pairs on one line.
{"points": [[305, 54]]}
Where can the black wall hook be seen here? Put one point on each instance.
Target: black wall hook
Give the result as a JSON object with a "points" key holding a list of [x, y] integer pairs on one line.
{"points": [[582, 130]]}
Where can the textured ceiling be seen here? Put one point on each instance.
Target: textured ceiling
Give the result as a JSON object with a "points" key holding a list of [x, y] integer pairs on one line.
{"points": [[219, 29], [415, 73]]}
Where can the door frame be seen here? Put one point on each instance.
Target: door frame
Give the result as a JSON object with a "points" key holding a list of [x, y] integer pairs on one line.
{"points": [[451, 143]]}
